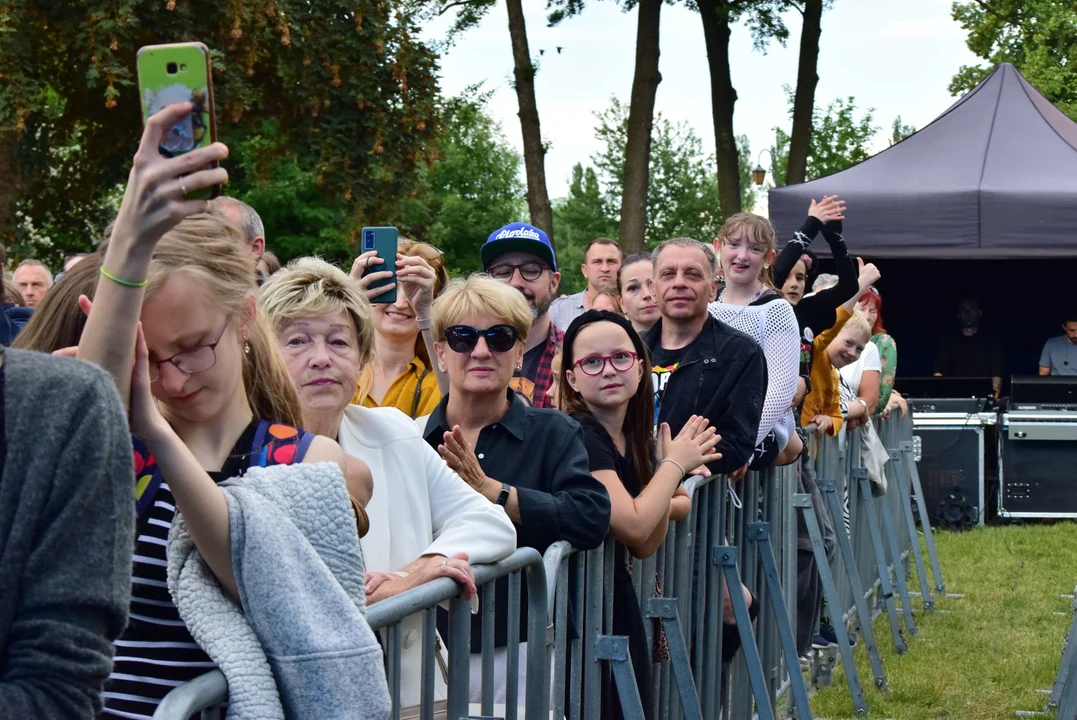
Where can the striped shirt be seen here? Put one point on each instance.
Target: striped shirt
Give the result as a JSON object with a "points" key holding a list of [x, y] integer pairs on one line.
{"points": [[157, 653]]}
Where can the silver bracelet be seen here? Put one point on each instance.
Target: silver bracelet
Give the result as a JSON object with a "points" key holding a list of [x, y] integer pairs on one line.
{"points": [[679, 467]]}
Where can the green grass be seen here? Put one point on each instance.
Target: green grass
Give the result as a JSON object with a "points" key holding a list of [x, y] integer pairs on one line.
{"points": [[1001, 643]]}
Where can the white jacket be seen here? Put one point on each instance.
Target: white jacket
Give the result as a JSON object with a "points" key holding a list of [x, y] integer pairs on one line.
{"points": [[419, 507]]}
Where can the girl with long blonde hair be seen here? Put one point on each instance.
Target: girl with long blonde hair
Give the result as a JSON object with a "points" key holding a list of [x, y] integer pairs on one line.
{"points": [[174, 321]]}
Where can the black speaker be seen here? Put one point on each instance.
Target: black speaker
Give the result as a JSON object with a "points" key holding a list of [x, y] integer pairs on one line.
{"points": [[1039, 467], [951, 468]]}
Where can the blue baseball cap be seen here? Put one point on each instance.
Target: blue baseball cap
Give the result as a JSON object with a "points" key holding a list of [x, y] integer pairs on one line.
{"points": [[517, 237]]}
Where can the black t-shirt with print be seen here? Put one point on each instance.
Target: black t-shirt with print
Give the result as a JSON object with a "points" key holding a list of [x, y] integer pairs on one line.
{"points": [[663, 363]]}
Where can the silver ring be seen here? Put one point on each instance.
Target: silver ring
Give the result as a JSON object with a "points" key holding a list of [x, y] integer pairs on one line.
{"points": [[444, 563], [183, 187]]}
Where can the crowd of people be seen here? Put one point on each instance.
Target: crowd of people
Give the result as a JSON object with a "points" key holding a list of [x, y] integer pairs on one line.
{"points": [[466, 418]]}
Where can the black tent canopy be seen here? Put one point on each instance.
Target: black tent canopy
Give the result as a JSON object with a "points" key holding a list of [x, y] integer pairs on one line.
{"points": [[995, 176]]}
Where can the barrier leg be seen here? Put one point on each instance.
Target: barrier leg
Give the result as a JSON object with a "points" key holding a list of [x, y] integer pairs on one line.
{"points": [[802, 503], [929, 537], [725, 556], [614, 649], [1067, 705], [1066, 675], [665, 609], [886, 590], [487, 695], [899, 570], [426, 697], [760, 533], [512, 664], [897, 459], [592, 627], [863, 615], [537, 692], [459, 642], [560, 640]]}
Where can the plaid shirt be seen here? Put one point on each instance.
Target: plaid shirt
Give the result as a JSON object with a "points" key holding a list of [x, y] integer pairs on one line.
{"points": [[544, 374]]}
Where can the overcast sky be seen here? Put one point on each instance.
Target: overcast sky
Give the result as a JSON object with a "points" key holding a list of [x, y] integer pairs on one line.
{"points": [[895, 56]]}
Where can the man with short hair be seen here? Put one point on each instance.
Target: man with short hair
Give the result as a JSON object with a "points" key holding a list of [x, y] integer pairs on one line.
{"points": [[601, 262], [1059, 356], [522, 256], [971, 351], [701, 366], [247, 219], [34, 280]]}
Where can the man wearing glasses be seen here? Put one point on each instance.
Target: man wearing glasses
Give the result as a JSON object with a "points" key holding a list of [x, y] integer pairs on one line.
{"points": [[522, 256]]}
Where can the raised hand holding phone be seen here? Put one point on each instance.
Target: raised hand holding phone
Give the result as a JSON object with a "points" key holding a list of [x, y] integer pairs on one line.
{"points": [[154, 202], [158, 188]]}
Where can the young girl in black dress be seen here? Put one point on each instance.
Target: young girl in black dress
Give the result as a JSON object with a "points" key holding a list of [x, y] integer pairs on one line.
{"points": [[605, 386]]}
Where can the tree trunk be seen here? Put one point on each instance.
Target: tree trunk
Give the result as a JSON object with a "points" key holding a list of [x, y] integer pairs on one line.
{"points": [[633, 228], [804, 100], [538, 200], [716, 31]]}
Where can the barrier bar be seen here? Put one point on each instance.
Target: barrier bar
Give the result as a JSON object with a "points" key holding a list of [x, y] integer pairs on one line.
{"points": [[863, 616], [897, 459], [886, 590], [925, 523], [802, 501], [760, 533], [726, 558]]}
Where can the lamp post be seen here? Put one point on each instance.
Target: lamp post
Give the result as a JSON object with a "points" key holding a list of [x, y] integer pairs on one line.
{"points": [[760, 173]]}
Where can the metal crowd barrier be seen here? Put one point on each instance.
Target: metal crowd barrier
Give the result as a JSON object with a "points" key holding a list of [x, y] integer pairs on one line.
{"points": [[207, 693], [736, 533]]}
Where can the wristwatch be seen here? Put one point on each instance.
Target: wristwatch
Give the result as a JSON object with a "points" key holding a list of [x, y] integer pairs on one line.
{"points": [[503, 498]]}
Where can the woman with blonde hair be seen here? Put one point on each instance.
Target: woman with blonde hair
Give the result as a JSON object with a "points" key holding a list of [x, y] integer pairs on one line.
{"points": [[174, 321], [750, 303], [530, 461], [425, 522], [401, 374]]}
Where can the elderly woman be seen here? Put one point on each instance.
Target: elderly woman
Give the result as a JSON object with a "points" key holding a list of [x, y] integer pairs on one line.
{"points": [[531, 461], [425, 522]]}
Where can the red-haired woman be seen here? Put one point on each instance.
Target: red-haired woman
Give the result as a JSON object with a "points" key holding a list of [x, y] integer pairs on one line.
{"points": [[870, 306]]}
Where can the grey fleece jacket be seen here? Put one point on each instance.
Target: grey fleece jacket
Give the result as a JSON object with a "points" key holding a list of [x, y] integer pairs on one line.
{"points": [[67, 523], [299, 647]]}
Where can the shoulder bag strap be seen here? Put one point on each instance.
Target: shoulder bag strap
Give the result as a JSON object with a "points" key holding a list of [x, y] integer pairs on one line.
{"points": [[418, 393]]}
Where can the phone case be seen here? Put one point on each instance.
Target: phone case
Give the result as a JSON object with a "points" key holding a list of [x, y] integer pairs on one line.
{"points": [[170, 74], [383, 240]]}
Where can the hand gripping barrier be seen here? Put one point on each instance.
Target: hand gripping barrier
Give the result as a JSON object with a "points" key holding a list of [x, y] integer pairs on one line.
{"points": [[743, 533], [206, 694]]}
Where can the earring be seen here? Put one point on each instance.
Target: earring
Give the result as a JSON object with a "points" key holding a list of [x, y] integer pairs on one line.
{"points": [[246, 348], [766, 265]]}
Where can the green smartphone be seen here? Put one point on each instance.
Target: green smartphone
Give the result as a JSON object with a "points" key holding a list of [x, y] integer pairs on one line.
{"points": [[181, 72], [382, 240]]}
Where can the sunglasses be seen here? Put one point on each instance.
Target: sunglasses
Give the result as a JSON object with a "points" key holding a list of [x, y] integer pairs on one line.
{"points": [[594, 364], [464, 338]]}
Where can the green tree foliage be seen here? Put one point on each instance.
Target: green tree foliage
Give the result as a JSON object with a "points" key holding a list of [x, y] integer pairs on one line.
{"points": [[682, 196], [580, 218], [1036, 36], [899, 131], [472, 188], [351, 87], [840, 138]]}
